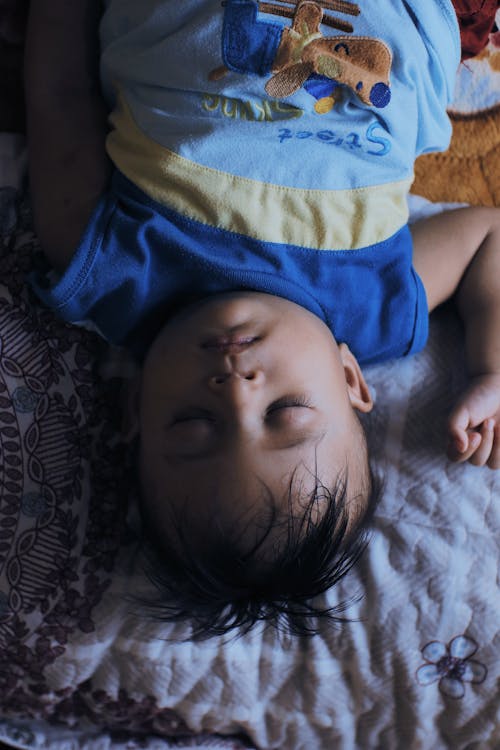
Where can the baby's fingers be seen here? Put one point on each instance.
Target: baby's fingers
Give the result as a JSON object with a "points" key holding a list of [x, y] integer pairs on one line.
{"points": [[459, 427], [463, 439], [463, 445], [482, 455], [494, 460]]}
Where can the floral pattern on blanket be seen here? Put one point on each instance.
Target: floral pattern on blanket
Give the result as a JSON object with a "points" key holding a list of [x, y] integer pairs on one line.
{"points": [[451, 666], [122, 715], [60, 508]]}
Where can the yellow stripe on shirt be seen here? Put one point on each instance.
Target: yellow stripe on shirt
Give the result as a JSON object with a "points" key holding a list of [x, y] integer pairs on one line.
{"points": [[317, 219]]}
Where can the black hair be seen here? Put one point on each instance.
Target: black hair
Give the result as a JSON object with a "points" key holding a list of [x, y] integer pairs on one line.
{"points": [[217, 586]]}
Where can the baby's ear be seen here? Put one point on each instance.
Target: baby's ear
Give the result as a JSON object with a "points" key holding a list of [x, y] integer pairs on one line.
{"points": [[130, 408], [357, 387]]}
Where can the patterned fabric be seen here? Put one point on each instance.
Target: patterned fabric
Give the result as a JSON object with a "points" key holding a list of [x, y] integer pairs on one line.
{"points": [[62, 504]]}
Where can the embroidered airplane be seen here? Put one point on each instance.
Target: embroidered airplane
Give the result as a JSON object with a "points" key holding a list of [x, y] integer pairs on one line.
{"points": [[299, 55]]}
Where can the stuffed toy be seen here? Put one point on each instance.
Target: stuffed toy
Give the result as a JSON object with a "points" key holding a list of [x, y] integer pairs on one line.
{"points": [[469, 171]]}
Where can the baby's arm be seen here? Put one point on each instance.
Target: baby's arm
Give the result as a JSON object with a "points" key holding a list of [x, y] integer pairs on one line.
{"points": [[458, 253], [66, 121]]}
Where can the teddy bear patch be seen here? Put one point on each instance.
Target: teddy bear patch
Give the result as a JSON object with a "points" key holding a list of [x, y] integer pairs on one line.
{"points": [[299, 55]]}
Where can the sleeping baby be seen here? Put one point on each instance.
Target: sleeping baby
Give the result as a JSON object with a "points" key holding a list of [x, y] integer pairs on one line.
{"points": [[222, 189]]}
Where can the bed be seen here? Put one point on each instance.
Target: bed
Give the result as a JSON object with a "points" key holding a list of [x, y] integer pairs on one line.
{"points": [[82, 669]]}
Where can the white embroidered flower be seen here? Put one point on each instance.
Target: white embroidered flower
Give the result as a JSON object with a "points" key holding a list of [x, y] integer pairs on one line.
{"points": [[451, 665]]}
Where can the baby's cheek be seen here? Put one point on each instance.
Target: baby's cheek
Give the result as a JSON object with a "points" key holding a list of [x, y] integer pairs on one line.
{"points": [[192, 436]]}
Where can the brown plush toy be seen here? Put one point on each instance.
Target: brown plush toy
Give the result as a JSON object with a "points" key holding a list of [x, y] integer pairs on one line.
{"points": [[469, 171]]}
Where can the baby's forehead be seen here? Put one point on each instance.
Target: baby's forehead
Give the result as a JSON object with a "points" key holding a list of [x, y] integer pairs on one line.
{"points": [[249, 507], [220, 497]]}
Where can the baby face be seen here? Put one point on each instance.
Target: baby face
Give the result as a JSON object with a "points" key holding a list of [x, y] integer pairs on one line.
{"points": [[241, 392]]}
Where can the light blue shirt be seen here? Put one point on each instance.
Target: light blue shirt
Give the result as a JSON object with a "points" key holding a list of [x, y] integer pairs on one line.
{"points": [[161, 55]]}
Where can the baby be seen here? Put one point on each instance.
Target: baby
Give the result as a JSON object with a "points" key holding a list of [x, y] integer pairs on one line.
{"points": [[243, 231]]}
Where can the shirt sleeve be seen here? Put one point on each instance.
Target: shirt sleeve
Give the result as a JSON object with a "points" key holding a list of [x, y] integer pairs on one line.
{"points": [[105, 281], [376, 301], [436, 71]]}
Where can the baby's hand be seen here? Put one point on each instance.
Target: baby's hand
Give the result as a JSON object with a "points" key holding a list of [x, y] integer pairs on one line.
{"points": [[474, 424]]}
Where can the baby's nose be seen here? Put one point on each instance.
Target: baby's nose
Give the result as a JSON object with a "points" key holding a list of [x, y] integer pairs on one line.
{"points": [[243, 378]]}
